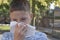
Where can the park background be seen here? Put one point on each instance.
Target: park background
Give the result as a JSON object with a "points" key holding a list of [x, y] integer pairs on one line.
{"points": [[46, 17]]}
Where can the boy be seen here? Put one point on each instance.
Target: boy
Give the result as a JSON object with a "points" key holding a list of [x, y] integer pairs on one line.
{"points": [[20, 12]]}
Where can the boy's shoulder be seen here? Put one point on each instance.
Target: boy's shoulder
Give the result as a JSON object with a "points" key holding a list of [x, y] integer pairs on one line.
{"points": [[40, 35], [7, 36], [7, 33]]}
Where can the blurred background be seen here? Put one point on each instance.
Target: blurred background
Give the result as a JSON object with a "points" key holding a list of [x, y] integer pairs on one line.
{"points": [[46, 17]]}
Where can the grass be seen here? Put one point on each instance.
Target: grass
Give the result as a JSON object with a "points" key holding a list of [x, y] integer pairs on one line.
{"points": [[4, 27]]}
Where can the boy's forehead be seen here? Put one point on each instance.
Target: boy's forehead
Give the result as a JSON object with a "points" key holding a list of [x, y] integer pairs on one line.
{"points": [[19, 14]]}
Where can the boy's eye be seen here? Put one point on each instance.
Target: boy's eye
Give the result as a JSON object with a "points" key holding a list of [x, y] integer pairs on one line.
{"points": [[14, 19], [22, 19]]}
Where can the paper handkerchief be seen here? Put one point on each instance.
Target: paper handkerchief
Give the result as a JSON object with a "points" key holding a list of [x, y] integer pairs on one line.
{"points": [[30, 29]]}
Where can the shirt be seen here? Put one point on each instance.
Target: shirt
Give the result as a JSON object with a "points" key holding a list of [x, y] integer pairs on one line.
{"points": [[37, 36]]}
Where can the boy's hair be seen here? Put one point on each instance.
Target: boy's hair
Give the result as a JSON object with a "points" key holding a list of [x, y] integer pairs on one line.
{"points": [[21, 5]]}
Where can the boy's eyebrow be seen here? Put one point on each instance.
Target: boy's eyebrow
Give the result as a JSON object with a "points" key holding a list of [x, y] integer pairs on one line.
{"points": [[14, 19], [23, 17]]}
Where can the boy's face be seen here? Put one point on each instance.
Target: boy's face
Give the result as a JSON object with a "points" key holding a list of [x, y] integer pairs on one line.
{"points": [[21, 16]]}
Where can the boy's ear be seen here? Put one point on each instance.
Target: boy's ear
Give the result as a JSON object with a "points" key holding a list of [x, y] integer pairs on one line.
{"points": [[31, 15]]}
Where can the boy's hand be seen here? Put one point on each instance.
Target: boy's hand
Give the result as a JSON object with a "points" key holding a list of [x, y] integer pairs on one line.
{"points": [[19, 32]]}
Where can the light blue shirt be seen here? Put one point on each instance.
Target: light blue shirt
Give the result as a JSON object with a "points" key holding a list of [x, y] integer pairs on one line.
{"points": [[37, 36]]}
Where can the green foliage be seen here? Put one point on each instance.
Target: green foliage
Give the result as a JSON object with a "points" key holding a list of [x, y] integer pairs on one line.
{"points": [[38, 7], [4, 9]]}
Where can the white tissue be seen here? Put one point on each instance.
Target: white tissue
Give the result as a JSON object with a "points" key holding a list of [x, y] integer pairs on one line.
{"points": [[12, 26], [30, 29]]}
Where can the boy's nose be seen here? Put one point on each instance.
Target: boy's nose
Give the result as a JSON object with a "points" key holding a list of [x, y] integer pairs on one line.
{"points": [[18, 20]]}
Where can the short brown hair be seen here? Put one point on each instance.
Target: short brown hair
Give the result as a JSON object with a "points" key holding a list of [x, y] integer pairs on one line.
{"points": [[19, 5]]}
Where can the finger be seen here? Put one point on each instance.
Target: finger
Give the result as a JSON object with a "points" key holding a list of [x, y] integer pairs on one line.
{"points": [[24, 31], [24, 27], [16, 28], [21, 27]]}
